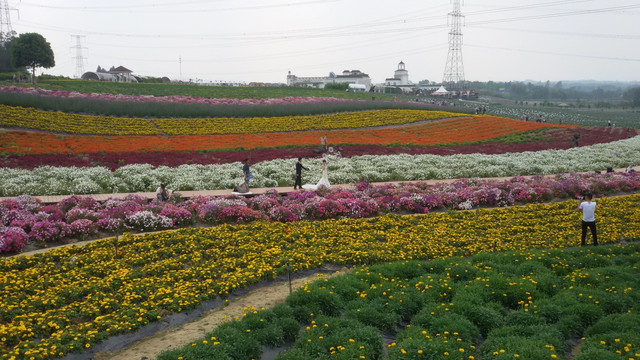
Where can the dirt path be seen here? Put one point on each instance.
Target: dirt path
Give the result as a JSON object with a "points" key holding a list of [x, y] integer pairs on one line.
{"points": [[266, 297]]}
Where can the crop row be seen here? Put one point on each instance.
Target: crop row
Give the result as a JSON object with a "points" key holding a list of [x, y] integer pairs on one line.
{"points": [[459, 130], [48, 180], [24, 220], [535, 140], [583, 117], [178, 106], [525, 304], [67, 299], [59, 122], [173, 99]]}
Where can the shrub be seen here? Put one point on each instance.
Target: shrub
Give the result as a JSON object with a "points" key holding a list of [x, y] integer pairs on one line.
{"points": [[419, 343], [374, 313], [484, 317], [49, 231], [179, 216], [626, 322], [12, 239], [339, 338], [307, 304], [282, 214], [82, 228], [148, 221], [511, 347]]}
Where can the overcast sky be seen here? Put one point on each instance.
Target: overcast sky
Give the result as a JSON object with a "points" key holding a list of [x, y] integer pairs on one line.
{"points": [[261, 40]]}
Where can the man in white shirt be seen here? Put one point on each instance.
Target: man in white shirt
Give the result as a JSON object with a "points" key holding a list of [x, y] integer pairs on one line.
{"points": [[588, 208]]}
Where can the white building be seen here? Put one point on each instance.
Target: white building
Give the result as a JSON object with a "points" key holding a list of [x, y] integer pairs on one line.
{"points": [[348, 76], [399, 81], [119, 74], [400, 77]]}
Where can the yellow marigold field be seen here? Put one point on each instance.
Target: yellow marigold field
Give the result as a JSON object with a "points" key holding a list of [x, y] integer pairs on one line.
{"points": [[30, 118], [343, 120], [70, 298], [60, 122]]}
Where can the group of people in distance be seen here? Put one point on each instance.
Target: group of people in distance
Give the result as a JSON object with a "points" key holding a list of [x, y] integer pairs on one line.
{"points": [[323, 182]]}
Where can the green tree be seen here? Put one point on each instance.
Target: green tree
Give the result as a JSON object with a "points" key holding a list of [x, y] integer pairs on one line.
{"points": [[31, 50], [5, 56]]}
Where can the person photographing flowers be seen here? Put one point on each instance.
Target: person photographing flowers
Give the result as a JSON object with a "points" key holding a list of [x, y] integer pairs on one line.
{"points": [[588, 208]]}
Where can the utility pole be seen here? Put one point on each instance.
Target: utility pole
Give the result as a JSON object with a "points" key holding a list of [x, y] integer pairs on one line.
{"points": [[6, 31], [454, 70], [79, 58], [180, 62]]}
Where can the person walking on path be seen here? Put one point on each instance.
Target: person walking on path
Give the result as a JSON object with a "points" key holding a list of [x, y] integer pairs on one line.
{"points": [[299, 167], [588, 208], [247, 173]]}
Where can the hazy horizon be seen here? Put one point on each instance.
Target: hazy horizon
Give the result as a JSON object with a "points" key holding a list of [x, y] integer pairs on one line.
{"points": [[222, 40]]}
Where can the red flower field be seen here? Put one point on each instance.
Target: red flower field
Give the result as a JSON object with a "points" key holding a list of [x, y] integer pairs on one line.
{"points": [[442, 132], [558, 138]]}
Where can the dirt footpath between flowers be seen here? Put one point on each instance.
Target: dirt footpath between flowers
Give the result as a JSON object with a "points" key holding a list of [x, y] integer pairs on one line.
{"points": [[265, 296]]}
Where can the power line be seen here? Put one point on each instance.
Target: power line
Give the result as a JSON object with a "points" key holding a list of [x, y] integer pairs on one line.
{"points": [[301, 33], [118, 9], [563, 33], [556, 53]]}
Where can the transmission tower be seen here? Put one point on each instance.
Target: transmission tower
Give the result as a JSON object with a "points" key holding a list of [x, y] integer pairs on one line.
{"points": [[79, 58], [454, 70], [6, 31]]}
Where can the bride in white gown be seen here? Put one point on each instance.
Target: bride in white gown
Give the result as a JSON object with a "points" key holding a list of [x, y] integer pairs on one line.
{"points": [[324, 180]]}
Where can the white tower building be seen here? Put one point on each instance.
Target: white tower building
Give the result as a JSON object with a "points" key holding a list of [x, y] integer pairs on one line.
{"points": [[401, 74]]}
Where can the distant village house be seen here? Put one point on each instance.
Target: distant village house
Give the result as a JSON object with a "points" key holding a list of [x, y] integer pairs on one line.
{"points": [[119, 74], [355, 78]]}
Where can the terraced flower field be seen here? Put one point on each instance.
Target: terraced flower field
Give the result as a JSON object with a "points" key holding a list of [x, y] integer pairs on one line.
{"points": [[104, 288], [69, 299]]}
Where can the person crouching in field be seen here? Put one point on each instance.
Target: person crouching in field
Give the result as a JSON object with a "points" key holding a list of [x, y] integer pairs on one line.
{"points": [[161, 193]]}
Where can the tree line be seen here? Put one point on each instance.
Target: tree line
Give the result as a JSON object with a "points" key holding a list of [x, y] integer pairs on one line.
{"points": [[25, 53]]}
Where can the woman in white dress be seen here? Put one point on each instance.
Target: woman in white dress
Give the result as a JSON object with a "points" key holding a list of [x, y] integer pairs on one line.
{"points": [[324, 180]]}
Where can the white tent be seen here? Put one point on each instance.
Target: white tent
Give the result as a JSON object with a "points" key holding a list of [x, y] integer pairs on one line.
{"points": [[441, 91]]}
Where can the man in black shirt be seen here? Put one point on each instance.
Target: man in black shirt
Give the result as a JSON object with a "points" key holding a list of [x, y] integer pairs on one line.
{"points": [[299, 168]]}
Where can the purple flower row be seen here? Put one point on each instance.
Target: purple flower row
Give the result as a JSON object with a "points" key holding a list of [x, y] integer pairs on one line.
{"points": [[171, 99], [23, 219]]}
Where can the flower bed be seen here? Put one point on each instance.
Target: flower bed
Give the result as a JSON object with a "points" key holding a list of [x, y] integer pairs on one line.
{"points": [[192, 90], [482, 307], [23, 219], [140, 178], [31, 118], [545, 139], [68, 299], [173, 99], [443, 132]]}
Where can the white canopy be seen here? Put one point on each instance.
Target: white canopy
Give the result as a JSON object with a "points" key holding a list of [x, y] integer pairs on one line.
{"points": [[441, 91]]}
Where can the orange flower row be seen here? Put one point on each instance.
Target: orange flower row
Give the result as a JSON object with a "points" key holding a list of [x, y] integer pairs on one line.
{"points": [[459, 130]]}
